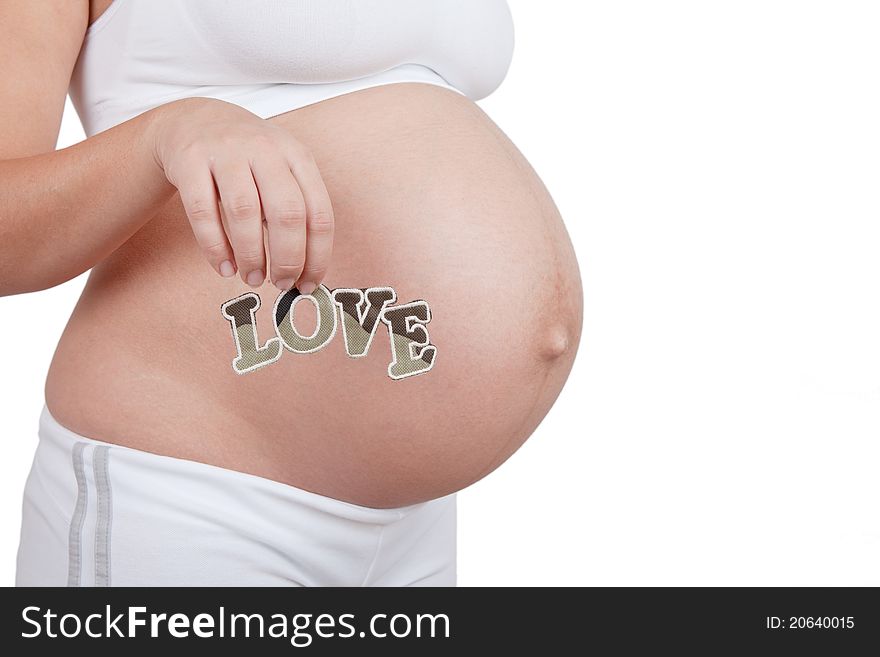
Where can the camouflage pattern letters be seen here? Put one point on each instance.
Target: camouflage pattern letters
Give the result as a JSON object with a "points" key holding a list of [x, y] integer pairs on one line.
{"points": [[410, 346], [359, 323], [325, 329], [241, 313], [360, 312]]}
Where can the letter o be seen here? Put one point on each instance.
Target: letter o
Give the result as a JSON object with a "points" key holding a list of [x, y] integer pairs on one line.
{"points": [[77, 624], [324, 331], [393, 623]]}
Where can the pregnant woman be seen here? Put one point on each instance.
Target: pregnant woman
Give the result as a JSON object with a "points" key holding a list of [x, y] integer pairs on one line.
{"points": [[326, 291]]}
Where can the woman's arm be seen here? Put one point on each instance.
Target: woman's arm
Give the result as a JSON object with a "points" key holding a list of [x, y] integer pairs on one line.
{"points": [[62, 212]]}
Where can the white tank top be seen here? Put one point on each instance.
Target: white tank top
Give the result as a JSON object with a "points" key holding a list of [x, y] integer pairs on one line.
{"points": [[271, 56]]}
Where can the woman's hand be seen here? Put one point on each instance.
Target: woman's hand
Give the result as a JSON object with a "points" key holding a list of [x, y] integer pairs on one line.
{"points": [[232, 170]]}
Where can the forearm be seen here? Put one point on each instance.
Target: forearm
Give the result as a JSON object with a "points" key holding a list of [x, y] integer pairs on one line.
{"points": [[63, 212]]}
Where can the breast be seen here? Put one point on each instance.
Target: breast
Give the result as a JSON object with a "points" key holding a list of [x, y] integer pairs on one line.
{"points": [[148, 52], [432, 201], [469, 42]]}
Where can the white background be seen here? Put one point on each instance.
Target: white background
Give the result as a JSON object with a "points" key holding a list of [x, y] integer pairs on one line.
{"points": [[717, 164]]}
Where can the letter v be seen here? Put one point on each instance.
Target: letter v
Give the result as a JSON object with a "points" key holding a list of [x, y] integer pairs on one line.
{"points": [[360, 317]]}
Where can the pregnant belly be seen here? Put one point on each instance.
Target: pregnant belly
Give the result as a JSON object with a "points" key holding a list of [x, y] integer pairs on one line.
{"points": [[432, 200]]}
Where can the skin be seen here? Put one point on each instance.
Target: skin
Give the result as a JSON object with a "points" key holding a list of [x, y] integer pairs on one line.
{"points": [[428, 196], [230, 169]]}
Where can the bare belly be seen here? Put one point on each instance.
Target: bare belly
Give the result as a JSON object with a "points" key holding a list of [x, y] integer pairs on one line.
{"points": [[430, 199]]}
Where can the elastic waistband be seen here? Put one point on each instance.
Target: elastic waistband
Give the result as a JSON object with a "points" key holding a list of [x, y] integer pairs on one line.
{"points": [[209, 479]]}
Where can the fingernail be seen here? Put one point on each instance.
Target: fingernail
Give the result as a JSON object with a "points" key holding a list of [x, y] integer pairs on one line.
{"points": [[256, 278], [284, 284], [227, 269], [307, 288]]}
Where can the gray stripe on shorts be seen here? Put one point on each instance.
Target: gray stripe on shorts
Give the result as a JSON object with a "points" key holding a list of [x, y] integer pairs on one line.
{"points": [[74, 540], [101, 459]]}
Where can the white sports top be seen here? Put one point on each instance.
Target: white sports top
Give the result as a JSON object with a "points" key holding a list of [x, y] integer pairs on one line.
{"points": [[272, 56]]}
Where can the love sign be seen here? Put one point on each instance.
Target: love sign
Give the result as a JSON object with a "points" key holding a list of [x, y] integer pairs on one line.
{"points": [[359, 311]]}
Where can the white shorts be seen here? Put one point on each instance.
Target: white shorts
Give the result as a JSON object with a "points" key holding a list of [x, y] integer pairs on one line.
{"points": [[97, 514]]}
